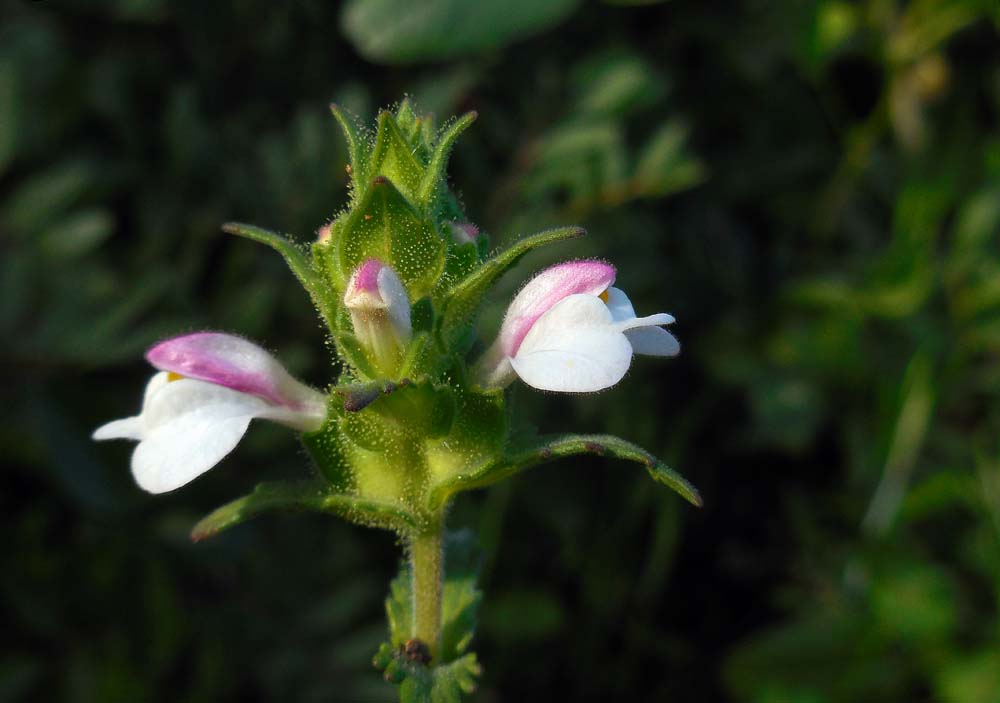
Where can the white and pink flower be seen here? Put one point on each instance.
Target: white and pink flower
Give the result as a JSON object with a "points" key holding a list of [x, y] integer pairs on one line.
{"points": [[380, 311], [198, 406], [569, 330]]}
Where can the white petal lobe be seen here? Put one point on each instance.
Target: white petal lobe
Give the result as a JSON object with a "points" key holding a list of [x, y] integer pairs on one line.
{"points": [[619, 305], [164, 462], [653, 341], [660, 318], [397, 302], [126, 428], [188, 427], [574, 348]]}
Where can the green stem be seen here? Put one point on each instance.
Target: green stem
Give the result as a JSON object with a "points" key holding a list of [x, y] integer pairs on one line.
{"points": [[427, 564]]}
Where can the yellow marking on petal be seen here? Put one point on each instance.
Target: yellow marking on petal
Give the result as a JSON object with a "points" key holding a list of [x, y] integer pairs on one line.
{"points": [[604, 296], [171, 376]]}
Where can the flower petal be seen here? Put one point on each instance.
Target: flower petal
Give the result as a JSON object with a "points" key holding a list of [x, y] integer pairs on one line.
{"points": [[653, 341], [236, 363], [619, 305], [622, 310], [397, 303], [660, 318], [642, 332], [575, 347], [126, 428], [545, 290], [131, 427], [187, 429]]}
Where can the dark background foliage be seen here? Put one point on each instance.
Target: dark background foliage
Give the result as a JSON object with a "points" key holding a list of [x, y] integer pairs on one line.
{"points": [[812, 188]]}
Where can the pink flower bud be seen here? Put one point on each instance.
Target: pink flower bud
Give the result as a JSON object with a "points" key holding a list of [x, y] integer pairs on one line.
{"points": [[380, 312], [464, 232]]}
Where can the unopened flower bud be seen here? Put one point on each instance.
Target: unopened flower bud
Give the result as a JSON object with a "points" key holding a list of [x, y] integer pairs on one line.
{"points": [[464, 232], [380, 312]]}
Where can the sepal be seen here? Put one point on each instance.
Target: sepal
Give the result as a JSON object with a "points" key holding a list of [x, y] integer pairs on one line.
{"points": [[423, 409], [393, 157], [355, 140], [475, 440], [433, 178], [358, 396], [384, 225], [353, 352]]}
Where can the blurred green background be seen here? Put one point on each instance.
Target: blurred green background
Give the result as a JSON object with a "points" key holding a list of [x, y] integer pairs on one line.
{"points": [[811, 186]]}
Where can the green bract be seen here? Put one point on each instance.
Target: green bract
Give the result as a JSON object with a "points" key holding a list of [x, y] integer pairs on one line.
{"points": [[399, 443]]}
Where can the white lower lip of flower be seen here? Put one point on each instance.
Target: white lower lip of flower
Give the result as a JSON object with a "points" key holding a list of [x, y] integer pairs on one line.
{"points": [[575, 347], [186, 427]]}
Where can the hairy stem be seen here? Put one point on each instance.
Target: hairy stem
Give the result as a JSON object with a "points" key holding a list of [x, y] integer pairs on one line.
{"points": [[427, 564]]}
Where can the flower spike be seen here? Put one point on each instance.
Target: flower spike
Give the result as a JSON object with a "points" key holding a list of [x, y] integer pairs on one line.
{"points": [[399, 277]]}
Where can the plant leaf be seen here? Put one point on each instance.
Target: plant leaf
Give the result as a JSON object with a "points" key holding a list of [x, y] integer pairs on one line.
{"points": [[549, 449], [393, 157], [439, 159], [354, 141], [297, 261], [300, 496]]}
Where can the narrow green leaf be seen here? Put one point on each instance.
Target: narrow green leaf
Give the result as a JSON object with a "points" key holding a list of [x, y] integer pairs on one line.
{"points": [[549, 449], [297, 261], [393, 157], [439, 160], [265, 498], [354, 143], [410, 124], [299, 496], [462, 302]]}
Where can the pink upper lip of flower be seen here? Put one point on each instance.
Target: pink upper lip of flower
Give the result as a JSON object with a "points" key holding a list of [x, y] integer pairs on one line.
{"points": [[225, 360], [366, 277], [586, 276]]}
